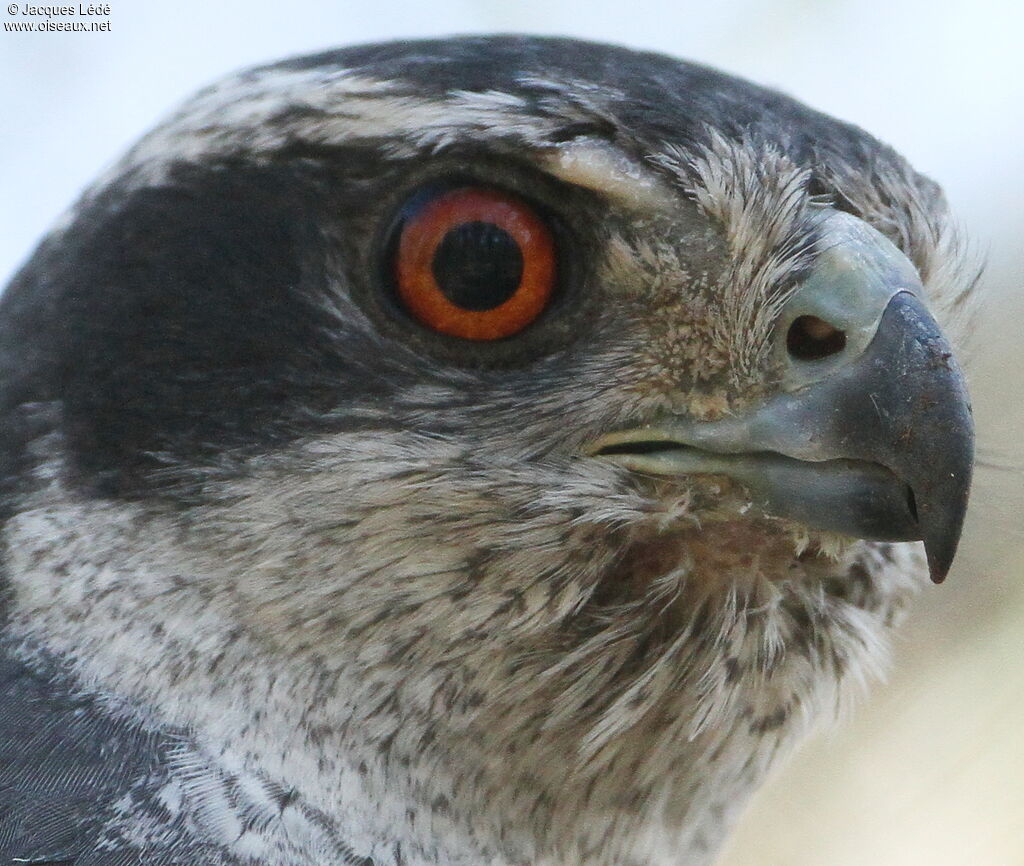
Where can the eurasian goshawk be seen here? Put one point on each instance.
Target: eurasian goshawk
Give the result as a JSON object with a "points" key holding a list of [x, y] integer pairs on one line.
{"points": [[476, 451]]}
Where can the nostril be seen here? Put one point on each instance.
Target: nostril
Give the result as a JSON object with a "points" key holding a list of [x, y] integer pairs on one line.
{"points": [[811, 338]]}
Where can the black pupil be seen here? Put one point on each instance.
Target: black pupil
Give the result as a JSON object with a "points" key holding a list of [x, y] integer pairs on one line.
{"points": [[478, 266]]}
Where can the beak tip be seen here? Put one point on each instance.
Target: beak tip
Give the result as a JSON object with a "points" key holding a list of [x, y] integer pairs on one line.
{"points": [[940, 548], [937, 572]]}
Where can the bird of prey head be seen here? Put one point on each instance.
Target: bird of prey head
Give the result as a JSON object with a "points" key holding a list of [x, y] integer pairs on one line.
{"points": [[487, 450]]}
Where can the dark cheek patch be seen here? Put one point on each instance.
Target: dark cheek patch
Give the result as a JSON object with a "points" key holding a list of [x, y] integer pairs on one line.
{"points": [[184, 323]]}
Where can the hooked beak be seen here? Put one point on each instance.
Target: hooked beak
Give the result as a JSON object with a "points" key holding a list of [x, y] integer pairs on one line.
{"points": [[873, 438]]}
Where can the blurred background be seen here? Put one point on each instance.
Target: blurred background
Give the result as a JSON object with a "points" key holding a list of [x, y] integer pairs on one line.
{"points": [[930, 769]]}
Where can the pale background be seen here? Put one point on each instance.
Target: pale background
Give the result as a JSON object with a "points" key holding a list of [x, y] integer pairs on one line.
{"points": [[931, 768]]}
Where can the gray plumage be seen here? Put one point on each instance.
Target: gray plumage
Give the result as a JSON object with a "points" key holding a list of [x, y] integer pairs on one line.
{"points": [[69, 765], [291, 579]]}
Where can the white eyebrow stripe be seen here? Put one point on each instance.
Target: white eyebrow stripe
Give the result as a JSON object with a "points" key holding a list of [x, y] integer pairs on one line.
{"points": [[254, 114]]}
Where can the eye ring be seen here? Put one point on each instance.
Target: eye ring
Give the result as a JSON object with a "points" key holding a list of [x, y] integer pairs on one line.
{"points": [[475, 263]]}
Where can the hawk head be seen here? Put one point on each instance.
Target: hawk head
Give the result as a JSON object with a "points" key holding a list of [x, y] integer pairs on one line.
{"points": [[503, 445]]}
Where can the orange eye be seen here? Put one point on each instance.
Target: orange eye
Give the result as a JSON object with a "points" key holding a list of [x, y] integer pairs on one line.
{"points": [[475, 263]]}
